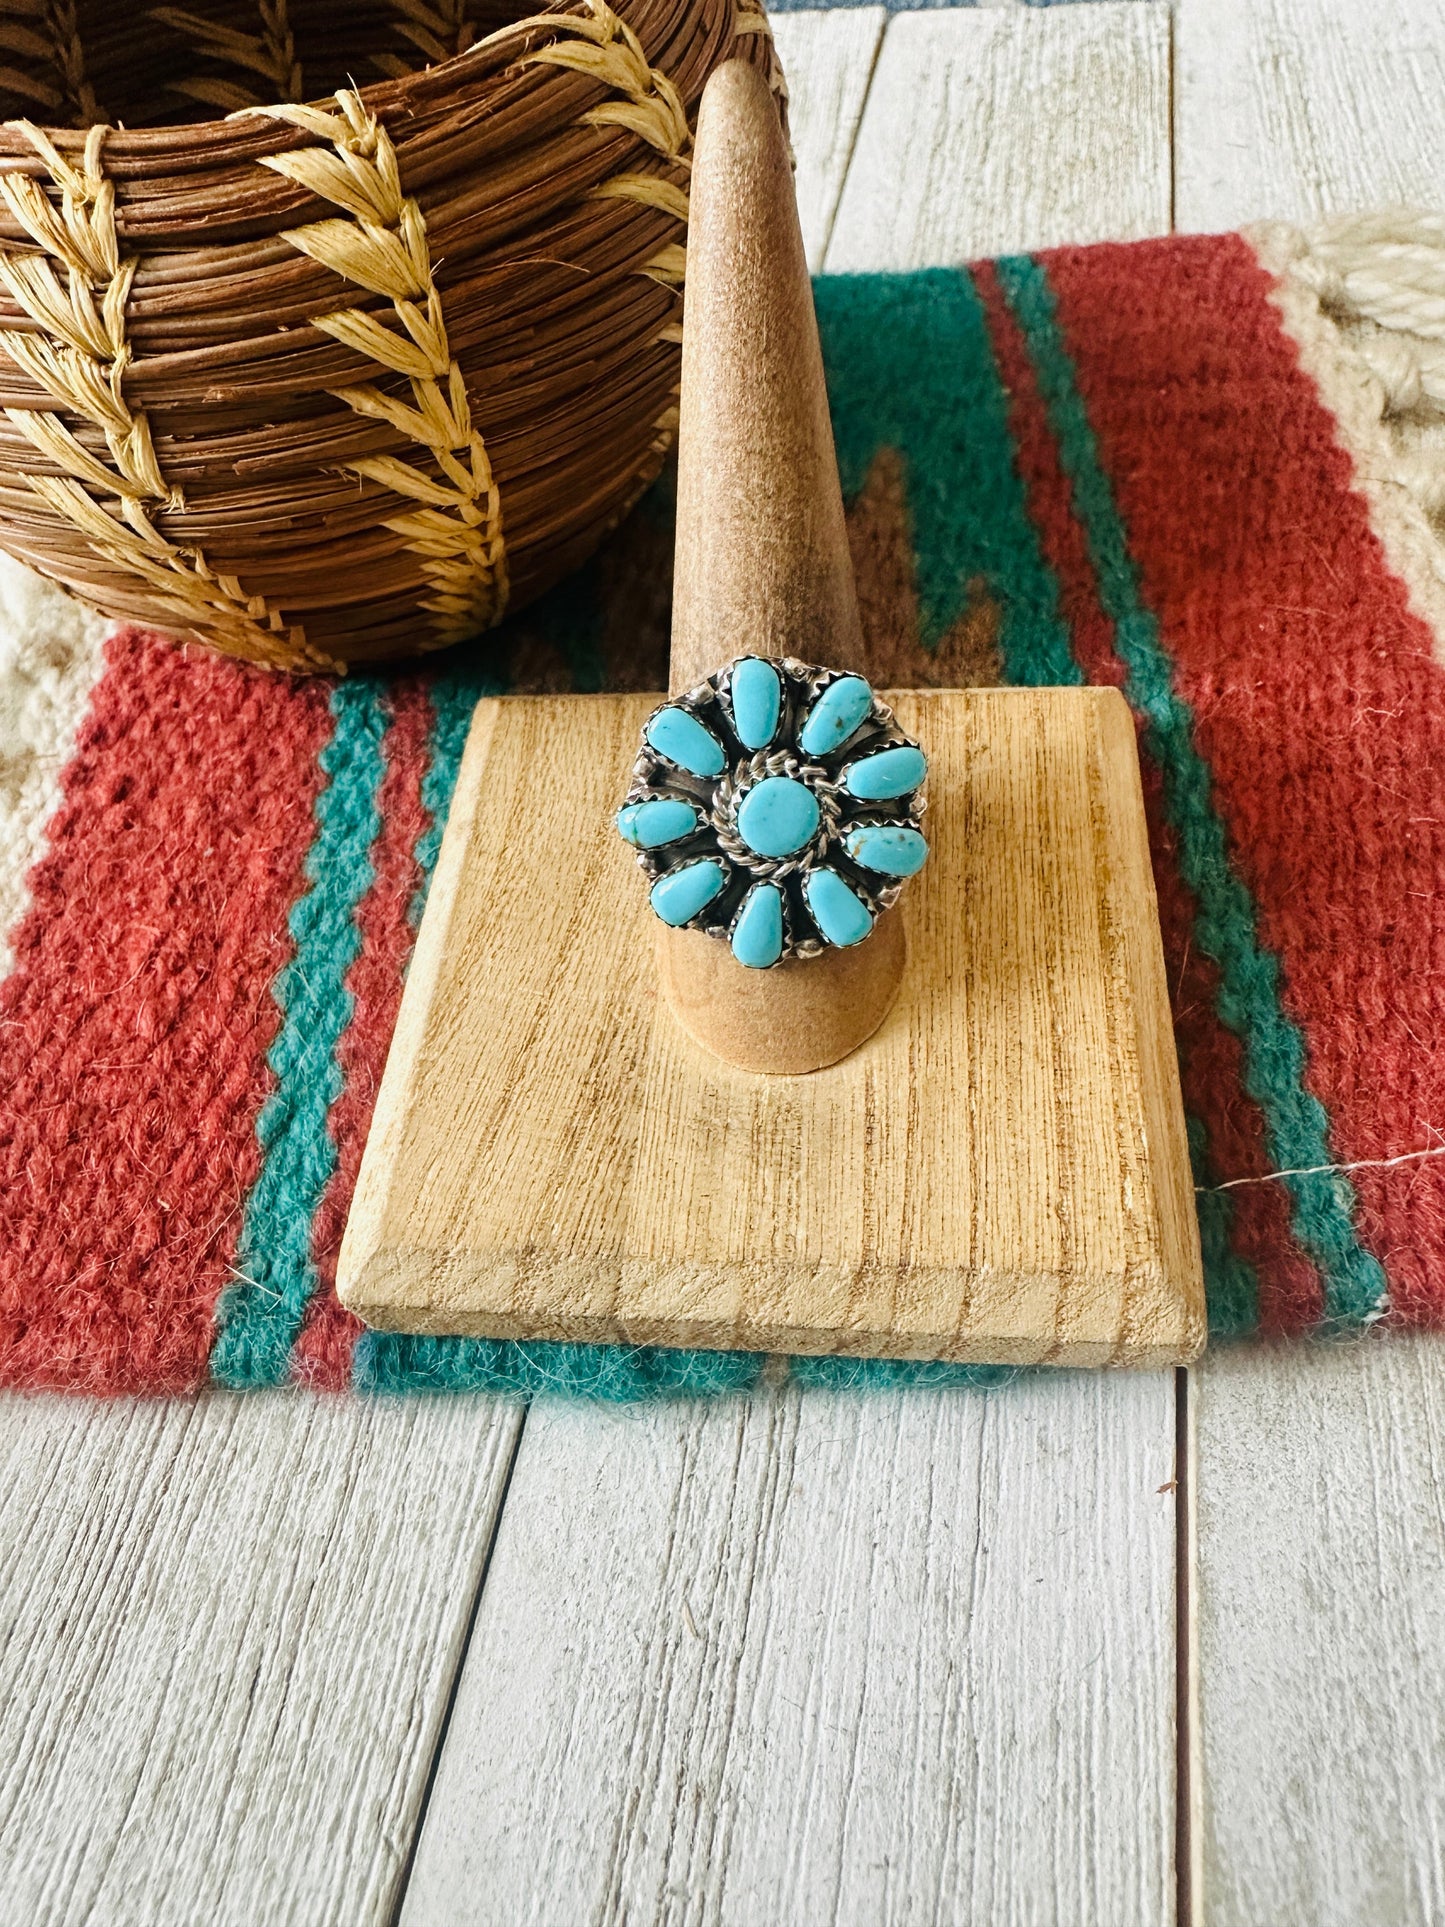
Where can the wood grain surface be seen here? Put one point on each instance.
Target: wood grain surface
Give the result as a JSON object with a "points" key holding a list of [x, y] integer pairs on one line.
{"points": [[1289, 109], [849, 1658], [999, 1174], [762, 557], [1320, 1625], [984, 133], [228, 1631], [832, 51]]}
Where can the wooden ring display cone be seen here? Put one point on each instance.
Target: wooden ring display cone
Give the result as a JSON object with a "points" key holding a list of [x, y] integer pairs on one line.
{"points": [[762, 565]]}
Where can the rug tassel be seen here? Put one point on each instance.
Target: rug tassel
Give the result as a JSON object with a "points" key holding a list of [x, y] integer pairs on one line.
{"points": [[1364, 297]]}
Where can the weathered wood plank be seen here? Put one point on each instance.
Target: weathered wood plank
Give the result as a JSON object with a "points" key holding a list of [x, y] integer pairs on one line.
{"points": [[1320, 1617], [828, 56], [987, 132], [228, 1632], [1320, 1636], [814, 1656], [823, 1656], [1295, 108]]}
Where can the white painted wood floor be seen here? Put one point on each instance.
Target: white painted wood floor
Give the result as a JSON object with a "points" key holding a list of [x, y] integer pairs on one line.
{"points": [[824, 1658]]}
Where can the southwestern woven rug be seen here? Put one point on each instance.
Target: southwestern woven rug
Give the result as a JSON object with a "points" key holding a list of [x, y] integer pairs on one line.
{"points": [[1208, 470]]}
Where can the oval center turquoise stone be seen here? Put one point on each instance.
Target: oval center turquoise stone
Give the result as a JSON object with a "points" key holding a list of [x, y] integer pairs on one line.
{"points": [[778, 816]]}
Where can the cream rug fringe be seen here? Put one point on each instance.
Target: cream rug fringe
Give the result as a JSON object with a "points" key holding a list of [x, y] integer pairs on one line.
{"points": [[1363, 297]]}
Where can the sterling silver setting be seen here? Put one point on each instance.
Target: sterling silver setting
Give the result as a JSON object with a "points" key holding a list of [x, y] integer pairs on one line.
{"points": [[679, 768]]}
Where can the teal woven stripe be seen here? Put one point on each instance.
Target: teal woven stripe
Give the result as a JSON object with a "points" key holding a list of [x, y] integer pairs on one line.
{"points": [[1231, 1283], [885, 1374], [1226, 925], [911, 368], [258, 1318], [388, 1362]]}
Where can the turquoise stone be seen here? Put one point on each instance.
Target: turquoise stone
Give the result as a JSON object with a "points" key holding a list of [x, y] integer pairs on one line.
{"points": [[777, 816], [896, 852], [892, 772], [757, 938], [679, 895], [757, 697], [836, 714], [681, 738], [841, 916], [648, 825]]}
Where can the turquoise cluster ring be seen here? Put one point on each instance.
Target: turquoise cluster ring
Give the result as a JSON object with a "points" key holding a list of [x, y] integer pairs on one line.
{"points": [[776, 806]]}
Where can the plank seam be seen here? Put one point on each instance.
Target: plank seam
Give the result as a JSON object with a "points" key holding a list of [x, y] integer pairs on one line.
{"points": [[459, 1667], [1188, 1904], [1171, 111], [827, 240]]}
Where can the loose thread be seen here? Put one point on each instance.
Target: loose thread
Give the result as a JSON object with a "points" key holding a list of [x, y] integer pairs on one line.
{"points": [[1325, 1170]]}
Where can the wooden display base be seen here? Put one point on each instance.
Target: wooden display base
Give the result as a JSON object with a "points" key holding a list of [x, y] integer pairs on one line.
{"points": [[998, 1174]]}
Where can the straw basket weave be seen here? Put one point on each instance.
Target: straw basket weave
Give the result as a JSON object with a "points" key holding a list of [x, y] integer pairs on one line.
{"points": [[329, 384]]}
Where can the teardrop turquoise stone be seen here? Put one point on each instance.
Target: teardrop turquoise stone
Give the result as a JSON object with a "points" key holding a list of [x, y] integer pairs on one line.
{"points": [[661, 820], [896, 852], [757, 697], [836, 714], [892, 772], [757, 938], [681, 738], [777, 816], [840, 914], [679, 895]]}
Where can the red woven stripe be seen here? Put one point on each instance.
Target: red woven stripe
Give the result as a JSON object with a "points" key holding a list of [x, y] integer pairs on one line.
{"points": [[137, 1021], [323, 1350], [1210, 1055], [1318, 704]]}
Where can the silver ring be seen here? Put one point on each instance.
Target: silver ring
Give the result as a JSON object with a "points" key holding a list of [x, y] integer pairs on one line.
{"points": [[776, 806]]}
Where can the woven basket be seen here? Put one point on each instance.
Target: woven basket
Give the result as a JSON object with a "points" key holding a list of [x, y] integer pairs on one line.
{"points": [[333, 384]]}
